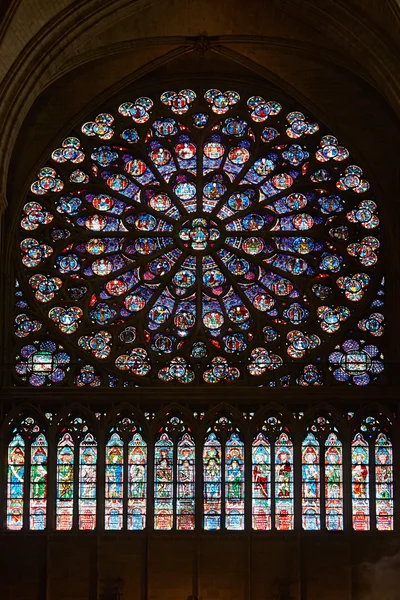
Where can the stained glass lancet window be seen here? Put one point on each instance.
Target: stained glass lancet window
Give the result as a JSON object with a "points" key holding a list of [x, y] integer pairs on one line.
{"points": [[212, 482], [114, 481], [27, 475], [174, 476], [155, 237], [360, 483], [16, 482], [87, 482], [223, 477], [261, 476], [125, 475], [65, 482], [137, 482], [333, 483], [384, 483], [76, 476], [234, 483], [186, 483], [164, 483], [284, 483], [38, 483], [311, 479]]}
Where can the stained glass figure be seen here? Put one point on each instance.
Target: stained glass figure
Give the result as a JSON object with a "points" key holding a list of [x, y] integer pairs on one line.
{"points": [[185, 483], [199, 225], [114, 479], [360, 483], [65, 482], [212, 482], [137, 482], [311, 480], [15, 483], [384, 483], [163, 483], [333, 483], [234, 483], [87, 482], [38, 483], [261, 474], [284, 483]]}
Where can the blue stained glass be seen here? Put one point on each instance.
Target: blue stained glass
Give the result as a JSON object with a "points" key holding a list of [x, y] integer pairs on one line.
{"points": [[195, 210], [137, 482], [311, 477], [212, 483], [163, 483], [284, 483], [15, 483], [261, 483], [114, 497]]}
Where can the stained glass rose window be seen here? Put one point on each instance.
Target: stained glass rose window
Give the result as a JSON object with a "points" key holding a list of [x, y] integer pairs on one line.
{"points": [[200, 237]]}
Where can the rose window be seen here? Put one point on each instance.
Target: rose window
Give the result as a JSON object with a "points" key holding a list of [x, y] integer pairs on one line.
{"points": [[202, 237]]}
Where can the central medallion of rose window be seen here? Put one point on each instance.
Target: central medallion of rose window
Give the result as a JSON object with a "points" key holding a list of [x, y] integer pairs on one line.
{"points": [[199, 234]]}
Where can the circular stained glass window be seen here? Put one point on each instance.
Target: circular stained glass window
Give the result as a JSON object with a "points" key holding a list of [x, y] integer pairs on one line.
{"points": [[200, 236]]}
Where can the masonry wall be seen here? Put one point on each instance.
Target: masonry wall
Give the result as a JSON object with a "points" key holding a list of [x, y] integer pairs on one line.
{"points": [[210, 567]]}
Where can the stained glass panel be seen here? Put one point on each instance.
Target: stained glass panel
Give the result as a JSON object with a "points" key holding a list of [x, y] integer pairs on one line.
{"points": [[114, 479], [87, 482], [311, 479], [15, 483], [65, 482], [186, 483], [384, 483], [212, 482], [333, 483], [261, 474], [38, 484], [360, 483], [137, 482], [234, 483], [243, 229], [284, 483], [163, 483]]}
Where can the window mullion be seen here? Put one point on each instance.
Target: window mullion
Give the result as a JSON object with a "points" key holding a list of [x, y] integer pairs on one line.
{"points": [[322, 499], [75, 509], [27, 485], [372, 485], [223, 485], [273, 494], [125, 483]]}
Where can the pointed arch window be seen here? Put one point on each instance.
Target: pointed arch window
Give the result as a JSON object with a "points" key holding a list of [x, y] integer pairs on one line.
{"points": [[311, 483], [174, 477], [261, 475], [185, 483], [360, 483], [137, 482], [76, 492], [114, 481], [87, 482], [284, 483], [65, 482], [333, 483], [212, 476], [234, 483], [223, 477], [16, 483], [164, 483], [125, 476], [384, 483], [38, 483], [27, 476]]}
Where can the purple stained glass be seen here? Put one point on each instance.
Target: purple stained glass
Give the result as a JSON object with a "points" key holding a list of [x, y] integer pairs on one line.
{"points": [[237, 216]]}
